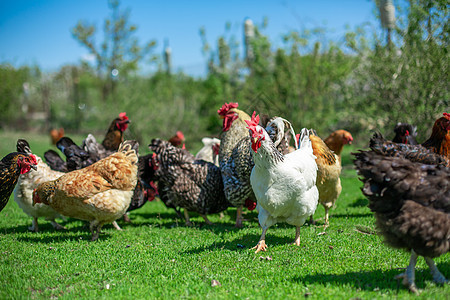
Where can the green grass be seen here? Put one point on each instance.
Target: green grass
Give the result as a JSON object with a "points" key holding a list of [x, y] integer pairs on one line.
{"points": [[158, 257]]}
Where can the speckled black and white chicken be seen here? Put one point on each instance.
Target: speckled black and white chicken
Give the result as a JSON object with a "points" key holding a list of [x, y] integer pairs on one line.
{"points": [[411, 202], [194, 185]]}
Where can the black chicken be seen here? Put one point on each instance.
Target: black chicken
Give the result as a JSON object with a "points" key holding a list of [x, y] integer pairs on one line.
{"points": [[55, 162], [194, 185], [411, 202], [76, 157], [415, 153], [405, 133], [11, 166]]}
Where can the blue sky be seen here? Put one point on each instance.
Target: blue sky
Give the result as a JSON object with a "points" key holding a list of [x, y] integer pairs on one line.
{"points": [[38, 31]]}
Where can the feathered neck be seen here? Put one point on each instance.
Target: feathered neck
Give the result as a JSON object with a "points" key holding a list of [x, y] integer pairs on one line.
{"points": [[438, 135]]}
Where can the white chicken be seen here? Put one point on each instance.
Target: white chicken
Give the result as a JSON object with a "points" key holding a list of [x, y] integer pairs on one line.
{"points": [[210, 150], [284, 185]]}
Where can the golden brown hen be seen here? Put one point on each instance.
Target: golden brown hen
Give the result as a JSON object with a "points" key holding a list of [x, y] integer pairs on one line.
{"points": [[337, 139], [56, 134], [99, 193], [328, 171]]}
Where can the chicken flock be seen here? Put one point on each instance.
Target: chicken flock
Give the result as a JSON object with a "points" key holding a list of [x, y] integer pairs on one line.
{"points": [[255, 162]]}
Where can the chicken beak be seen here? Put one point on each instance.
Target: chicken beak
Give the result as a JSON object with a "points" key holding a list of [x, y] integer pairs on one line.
{"points": [[34, 167]]}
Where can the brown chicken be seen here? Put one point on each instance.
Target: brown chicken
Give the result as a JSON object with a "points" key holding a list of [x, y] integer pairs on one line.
{"points": [[11, 167], [178, 139], [112, 140], [56, 134], [328, 171], [439, 141], [337, 139], [99, 193]]}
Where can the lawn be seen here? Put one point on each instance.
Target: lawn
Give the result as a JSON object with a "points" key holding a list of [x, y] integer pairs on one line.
{"points": [[157, 256]]}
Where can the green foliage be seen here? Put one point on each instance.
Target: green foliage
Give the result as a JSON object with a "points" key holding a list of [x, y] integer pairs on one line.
{"points": [[13, 81], [406, 81], [359, 84], [119, 53]]}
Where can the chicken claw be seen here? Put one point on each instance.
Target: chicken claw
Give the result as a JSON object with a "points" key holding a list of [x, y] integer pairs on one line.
{"points": [[407, 282], [261, 246], [408, 277]]}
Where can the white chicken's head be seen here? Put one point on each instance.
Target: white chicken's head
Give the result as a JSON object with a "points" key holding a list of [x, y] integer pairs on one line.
{"points": [[256, 132]]}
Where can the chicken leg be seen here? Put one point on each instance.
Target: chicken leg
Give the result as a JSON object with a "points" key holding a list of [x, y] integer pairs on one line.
{"points": [[239, 217], [34, 227], [437, 276], [207, 220], [95, 227], [261, 246], [186, 217], [297, 236], [57, 226], [409, 275]]}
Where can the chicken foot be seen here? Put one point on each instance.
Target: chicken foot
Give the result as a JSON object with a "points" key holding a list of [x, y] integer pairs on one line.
{"points": [[207, 220], [34, 227], [116, 226], [409, 275], [261, 246], [437, 276], [56, 225]]}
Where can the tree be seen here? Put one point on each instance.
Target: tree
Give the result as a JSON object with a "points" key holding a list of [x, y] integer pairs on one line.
{"points": [[120, 51]]}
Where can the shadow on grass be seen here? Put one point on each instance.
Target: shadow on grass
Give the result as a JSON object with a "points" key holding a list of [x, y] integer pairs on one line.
{"points": [[73, 235], [372, 280], [171, 219], [360, 202], [47, 234], [347, 215]]}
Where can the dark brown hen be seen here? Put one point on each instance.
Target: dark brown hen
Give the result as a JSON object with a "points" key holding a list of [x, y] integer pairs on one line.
{"points": [[416, 153], [194, 185], [11, 166], [405, 133], [411, 202]]}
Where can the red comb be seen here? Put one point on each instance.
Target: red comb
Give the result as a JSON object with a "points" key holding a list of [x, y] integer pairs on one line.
{"points": [[253, 122], [447, 116], [180, 135], [226, 107], [123, 115], [33, 159]]}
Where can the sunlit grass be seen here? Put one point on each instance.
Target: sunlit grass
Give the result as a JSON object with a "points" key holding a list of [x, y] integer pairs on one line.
{"points": [[157, 256]]}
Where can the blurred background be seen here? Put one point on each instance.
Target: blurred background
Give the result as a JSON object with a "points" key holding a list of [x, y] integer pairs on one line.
{"points": [[170, 65]]}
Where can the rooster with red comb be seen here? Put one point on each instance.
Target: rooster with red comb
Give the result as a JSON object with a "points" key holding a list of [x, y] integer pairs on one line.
{"points": [[439, 141], [235, 159]]}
